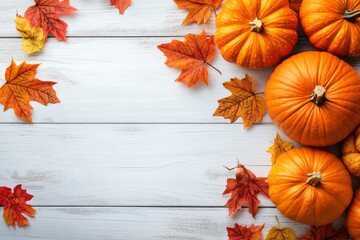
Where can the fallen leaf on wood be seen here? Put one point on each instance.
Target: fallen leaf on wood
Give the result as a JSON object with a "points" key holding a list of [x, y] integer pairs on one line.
{"points": [[244, 189], [239, 232], [192, 56], [21, 87], [122, 5], [15, 206], [280, 233], [244, 102], [326, 233], [280, 146], [295, 5]]}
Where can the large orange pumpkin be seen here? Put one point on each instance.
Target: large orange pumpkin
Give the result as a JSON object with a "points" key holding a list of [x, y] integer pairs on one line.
{"points": [[310, 186], [353, 217], [332, 25], [257, 33], [314, 98]]}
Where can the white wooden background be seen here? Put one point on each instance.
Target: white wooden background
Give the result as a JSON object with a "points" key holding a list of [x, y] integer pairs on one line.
{"points": [[128, 154]]}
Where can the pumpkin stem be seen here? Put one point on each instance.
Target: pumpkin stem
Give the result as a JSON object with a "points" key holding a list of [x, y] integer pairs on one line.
{"points": [[256, 25], [351, 15], [318, 95], [314, 178]]}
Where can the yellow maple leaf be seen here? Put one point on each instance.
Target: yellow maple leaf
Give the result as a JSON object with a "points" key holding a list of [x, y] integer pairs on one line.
{"points": [[243, 102], [279, 233], [33, 37], [280, 146]]}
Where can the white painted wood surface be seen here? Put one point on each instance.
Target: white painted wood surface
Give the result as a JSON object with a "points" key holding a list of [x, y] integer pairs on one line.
{"points": [[128, 154]]}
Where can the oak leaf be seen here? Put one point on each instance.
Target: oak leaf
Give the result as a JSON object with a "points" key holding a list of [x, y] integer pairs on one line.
{"points": [[279, 233], [326, 233], [280, 146], [46, 13], [192, 56], [239, 232], [244, 189], [199, 10], [122, 5], [295, 5], [21, 87], [243, 102], [33, 38], [15, 206]]}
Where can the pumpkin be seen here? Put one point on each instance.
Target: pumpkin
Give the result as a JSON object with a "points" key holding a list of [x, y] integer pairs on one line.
{"points": [[332, 26], [353, 217], [256, 34], [350, 149], [310, 186], [314, 98]]}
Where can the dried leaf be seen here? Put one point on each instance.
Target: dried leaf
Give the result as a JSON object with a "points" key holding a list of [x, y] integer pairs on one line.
{"points": [[192, 56], [33, 38], [46, 13], [21, 87], [15, 206], [279, 233], [122, 5], [199, 10], [243, 102], [280, 146], [295, 5], [244, 189], [245, 233], [326, 233]]}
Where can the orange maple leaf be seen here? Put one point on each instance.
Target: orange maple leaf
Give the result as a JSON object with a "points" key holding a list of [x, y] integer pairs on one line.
{"points": [[243, 102], [295, 5], [326, 233], [122, 5], [244, 189], [192, 56], [199, 10], [15, 206], [21, 87], [239, 232], [280, 146], [45, 14]]}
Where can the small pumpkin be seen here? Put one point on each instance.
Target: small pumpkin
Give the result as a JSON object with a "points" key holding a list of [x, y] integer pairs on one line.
{"points": [[350, 149], [314, 98], [353, 217], [310, 186], [333, 25], [256, 34]]}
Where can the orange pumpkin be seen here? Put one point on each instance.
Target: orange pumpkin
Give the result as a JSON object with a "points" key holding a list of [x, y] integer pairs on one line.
{"points": [[332, 25], [310, 186], [350, 149], [353, 217], [314, 98], [256, 34]]}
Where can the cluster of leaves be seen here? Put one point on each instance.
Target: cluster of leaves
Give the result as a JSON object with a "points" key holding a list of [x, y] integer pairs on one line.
{"points": [[14, 204]]}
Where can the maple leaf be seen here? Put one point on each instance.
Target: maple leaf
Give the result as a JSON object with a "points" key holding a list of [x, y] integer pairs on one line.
{"points": [[15, 206], [279, 233], [244, 189], [21, 87], [199, 10], [192, 56], [239, 232], [295, 5], [45, 14], [326, 233], [243, 102], [33, 37], [280, 146], [122, 5]]}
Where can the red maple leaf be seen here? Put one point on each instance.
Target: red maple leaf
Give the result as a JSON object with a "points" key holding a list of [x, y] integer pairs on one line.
{"points": [[244, 189], [326, 233], [45, 14], [245, 233], [15, 206], [122, 5]]}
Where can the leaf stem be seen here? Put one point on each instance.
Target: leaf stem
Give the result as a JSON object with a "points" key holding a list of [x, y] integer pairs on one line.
{"points": [[213, 67], [259, 93], [2, 79], [214, 10], [277, 220]]}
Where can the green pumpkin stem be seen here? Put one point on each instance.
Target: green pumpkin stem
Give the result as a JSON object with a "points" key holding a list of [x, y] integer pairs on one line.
{"points": [[314, 178], [256, 25], [351, 15], [318, 95]]}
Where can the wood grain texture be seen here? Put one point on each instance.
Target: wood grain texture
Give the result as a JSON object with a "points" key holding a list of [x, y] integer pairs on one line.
{"points": [[139, 223]]}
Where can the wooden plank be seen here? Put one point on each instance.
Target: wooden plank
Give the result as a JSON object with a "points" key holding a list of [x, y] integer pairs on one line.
{"points": [[140, 223], [130, 164], [124, 80]]}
